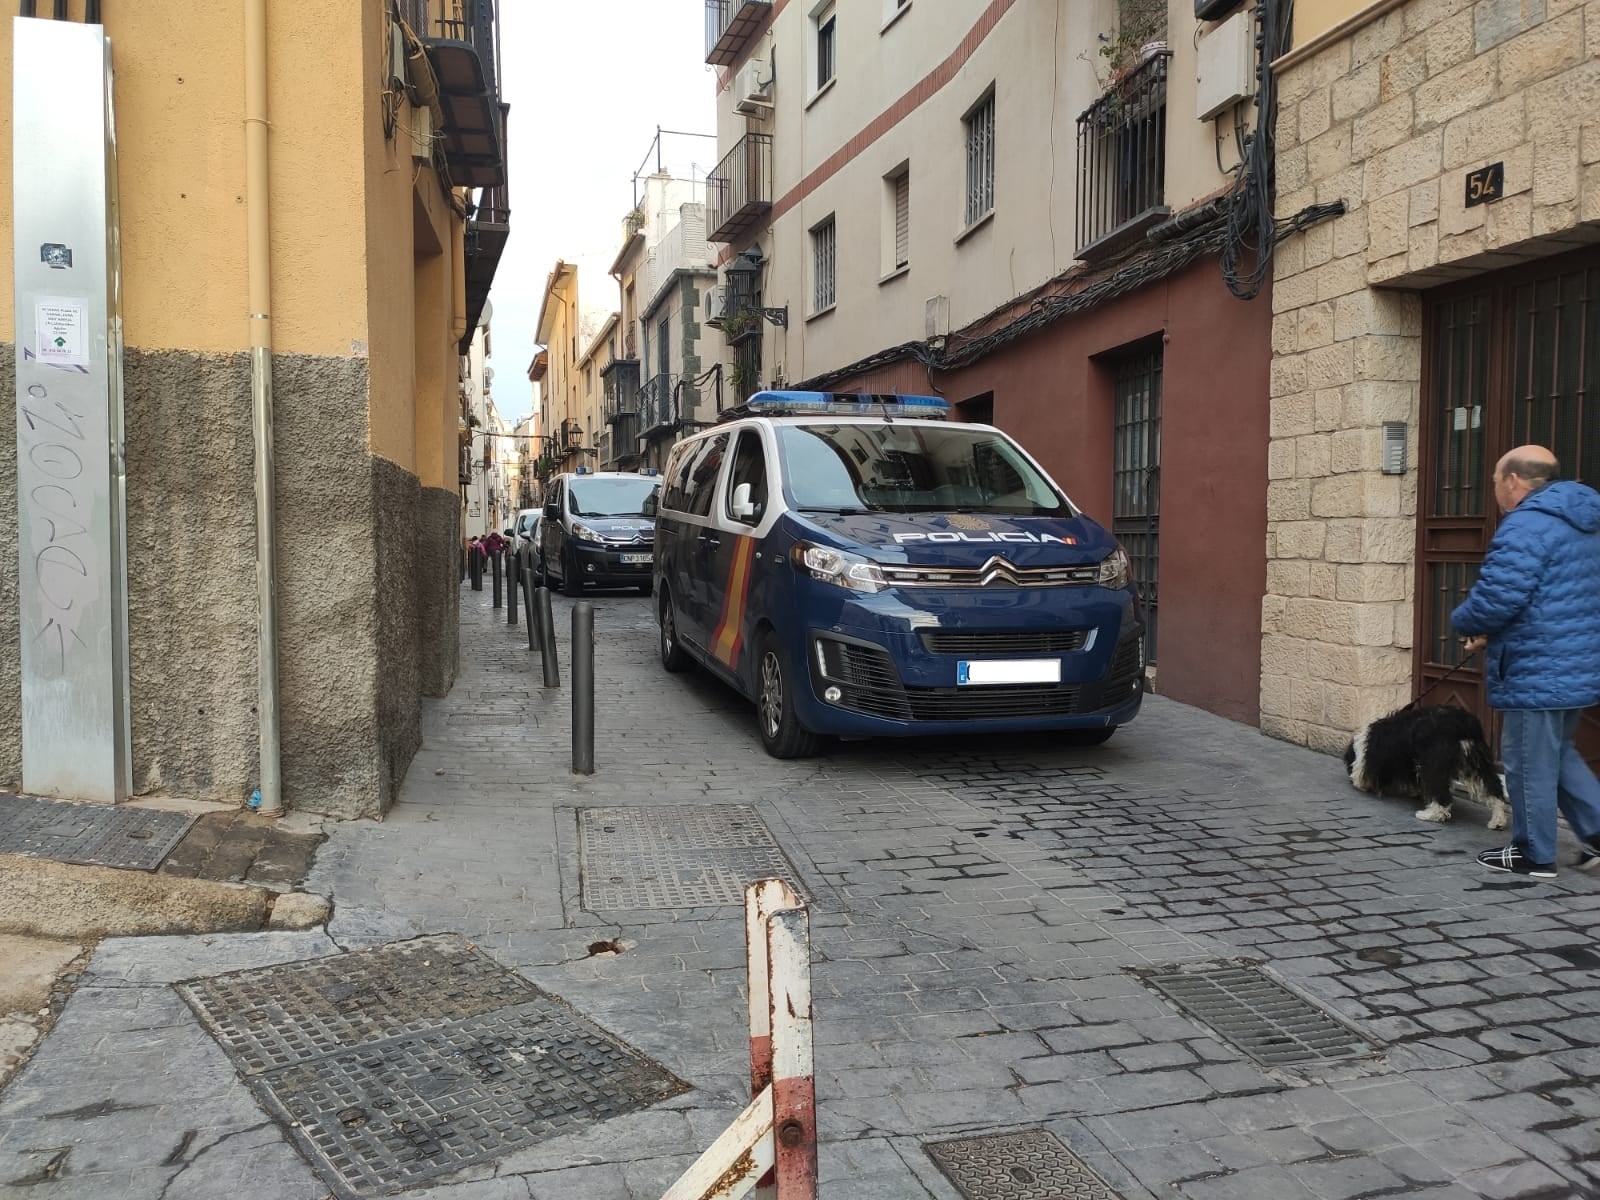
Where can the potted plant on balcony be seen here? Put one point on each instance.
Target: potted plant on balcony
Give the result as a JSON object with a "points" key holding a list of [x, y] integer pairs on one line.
{"points": [[739, 326]]}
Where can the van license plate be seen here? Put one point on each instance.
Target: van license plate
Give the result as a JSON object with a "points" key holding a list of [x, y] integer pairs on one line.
{"points": [[1013, 670], [630, 560]]}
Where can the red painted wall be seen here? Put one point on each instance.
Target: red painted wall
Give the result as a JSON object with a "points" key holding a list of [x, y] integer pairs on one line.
{"points": [[1053, 393]]}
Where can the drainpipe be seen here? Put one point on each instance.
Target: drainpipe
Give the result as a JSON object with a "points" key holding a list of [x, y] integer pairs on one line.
{"points": [[259, 258]]}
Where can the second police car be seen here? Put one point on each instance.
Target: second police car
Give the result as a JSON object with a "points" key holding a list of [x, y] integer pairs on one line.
{"points": [[859, 566]]}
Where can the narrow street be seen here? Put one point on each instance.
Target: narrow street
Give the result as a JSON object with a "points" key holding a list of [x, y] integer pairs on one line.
{"points": [[985, 917]]}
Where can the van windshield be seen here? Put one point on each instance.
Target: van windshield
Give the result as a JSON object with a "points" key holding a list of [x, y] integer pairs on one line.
{"points": [[912, 468], [615, 497]]}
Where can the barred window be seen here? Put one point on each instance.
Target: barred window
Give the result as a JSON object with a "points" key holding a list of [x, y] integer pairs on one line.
{"points": [[979, 124], [823, 244]]}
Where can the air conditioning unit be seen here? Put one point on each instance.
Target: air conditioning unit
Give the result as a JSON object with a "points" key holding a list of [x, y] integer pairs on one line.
{"points": [[752, 87]]}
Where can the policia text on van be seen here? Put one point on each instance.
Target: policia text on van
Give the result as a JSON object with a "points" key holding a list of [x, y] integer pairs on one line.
{"points": [[858, 566]]}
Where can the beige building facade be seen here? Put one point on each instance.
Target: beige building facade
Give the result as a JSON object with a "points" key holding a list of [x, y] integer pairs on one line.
{"points": [[1451, 313]]}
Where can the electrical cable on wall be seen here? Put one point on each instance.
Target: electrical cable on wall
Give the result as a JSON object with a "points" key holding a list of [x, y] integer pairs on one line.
{"points": [[1252, 231]]}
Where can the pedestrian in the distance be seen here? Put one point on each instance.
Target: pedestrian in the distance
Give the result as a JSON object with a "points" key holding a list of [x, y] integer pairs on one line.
{"points": [[1535, 610]]}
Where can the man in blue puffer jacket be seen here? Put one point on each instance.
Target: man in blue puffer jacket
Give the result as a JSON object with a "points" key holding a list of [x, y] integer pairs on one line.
{"points": [[1536, 607]]}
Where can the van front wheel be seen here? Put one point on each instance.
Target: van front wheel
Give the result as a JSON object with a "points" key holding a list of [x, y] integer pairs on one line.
{"points": [[782, 735]]}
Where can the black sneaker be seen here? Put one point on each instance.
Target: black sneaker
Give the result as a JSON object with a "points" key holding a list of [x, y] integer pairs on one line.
{"points": [[1588, 855], [1513, 860]]}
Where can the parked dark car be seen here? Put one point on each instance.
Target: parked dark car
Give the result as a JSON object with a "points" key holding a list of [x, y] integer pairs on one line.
{"points": [[599, 529]]}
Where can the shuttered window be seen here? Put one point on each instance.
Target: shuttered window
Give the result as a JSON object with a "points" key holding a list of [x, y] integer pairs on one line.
{"points": [[902, 220], [823, 246]]}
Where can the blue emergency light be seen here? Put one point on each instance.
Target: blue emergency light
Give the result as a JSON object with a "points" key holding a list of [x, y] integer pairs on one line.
{"points": [[773, 403], [583, 470], [649, 471]]}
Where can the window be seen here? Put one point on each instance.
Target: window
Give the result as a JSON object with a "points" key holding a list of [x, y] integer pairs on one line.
{"points": [[823, 245], [979, 125], [677, 477], [749, 466], [902, 220], [702, 480], [825, 22]]}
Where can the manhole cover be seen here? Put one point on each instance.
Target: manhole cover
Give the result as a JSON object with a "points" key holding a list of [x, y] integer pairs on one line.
{"points": [[272, 1016], [412, 1060], [1032, 1165], [1259, 1015], [675, 856], [96, 835], [391, 1114]]}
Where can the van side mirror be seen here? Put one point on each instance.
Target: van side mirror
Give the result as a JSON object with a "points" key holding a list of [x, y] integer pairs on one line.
{"points": [[743, 507], [509, 533], [651, 505], [551, 512]]}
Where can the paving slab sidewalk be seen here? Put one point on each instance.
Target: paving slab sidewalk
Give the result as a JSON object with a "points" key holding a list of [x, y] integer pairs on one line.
{"points": [[982, 914]]}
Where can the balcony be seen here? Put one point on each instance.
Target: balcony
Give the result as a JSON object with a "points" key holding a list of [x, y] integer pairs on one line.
{"points": [[1122, 157], [739, 190], [731, 25], [656, 406], [462, 38], [621, 379], [485, 241]]}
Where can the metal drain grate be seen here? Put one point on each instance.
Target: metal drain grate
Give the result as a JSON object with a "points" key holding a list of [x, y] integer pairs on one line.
{"points": [[675, 856], [395, 1065], [1260, 1016], [393, 1114], [271, 1017], [1032, 1165], [95, 835]]}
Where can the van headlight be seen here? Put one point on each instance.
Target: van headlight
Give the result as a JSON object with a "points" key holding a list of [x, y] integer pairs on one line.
{"points": [[827, 565], [1116, 571], [583, 533]]}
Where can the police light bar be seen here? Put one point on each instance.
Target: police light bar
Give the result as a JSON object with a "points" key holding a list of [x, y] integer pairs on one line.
{"points": [[884, 403]]}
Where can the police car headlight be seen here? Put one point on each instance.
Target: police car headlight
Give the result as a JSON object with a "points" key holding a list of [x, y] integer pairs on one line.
{"points": [[1115, 571], [827, 565], [584, 534]]}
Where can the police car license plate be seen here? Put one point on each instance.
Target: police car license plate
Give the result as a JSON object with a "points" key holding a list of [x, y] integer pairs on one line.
{"points": [[1011, 670], [635, 559]]}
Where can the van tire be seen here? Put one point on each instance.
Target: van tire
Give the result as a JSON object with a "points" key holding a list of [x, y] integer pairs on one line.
{"points": [[571, 581], [674, 658], [782, 735]]}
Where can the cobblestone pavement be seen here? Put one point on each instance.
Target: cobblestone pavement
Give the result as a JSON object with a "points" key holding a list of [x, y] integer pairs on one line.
{"points": [[983, 914]]}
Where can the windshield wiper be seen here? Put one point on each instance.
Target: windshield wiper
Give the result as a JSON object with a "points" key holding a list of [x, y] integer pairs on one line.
{"points": [[840, 510]]}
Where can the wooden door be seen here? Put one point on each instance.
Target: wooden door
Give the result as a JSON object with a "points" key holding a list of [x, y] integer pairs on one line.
{"points": [[1508, 359]]}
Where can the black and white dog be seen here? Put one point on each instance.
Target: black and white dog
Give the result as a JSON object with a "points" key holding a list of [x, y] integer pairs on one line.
{"points": [[1423, 752]]}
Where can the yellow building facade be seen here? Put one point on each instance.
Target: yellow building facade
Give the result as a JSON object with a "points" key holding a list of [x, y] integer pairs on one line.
{"points": [[387, 210]]}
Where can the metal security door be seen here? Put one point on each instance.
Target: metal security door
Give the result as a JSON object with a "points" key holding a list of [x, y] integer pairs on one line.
{"points": [[1136, 477], [1509, 359]]}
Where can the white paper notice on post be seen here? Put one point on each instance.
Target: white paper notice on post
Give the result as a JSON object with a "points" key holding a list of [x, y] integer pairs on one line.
{"points": [[61, 332]]}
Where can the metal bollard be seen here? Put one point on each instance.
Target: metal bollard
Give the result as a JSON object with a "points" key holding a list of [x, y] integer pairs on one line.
{"points": [[583, 688], [494, 561], [513, 580], [477, 572], [547, 640], [533, 608]]}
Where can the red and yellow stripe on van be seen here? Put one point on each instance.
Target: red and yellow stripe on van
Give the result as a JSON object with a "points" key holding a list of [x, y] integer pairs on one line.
{"points": [[728, 639]]}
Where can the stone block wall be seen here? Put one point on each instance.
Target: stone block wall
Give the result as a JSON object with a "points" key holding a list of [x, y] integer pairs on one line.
{"points": [[1390, 119]]}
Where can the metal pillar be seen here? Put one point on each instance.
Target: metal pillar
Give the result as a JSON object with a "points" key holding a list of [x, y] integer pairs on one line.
{"points": [[583, 688], [71, 475]]}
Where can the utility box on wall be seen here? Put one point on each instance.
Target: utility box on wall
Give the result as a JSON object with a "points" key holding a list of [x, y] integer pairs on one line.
{"points": [[71, 480], [1225, 66]]}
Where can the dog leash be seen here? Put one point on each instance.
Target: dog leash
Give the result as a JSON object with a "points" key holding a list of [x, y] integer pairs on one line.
{"points": [[1423, 695]]}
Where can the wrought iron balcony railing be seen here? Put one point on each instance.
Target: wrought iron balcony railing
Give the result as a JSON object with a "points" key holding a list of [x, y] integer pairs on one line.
{"points": [[656, 404], [730, 26], [1122, 160], [739, 189]]}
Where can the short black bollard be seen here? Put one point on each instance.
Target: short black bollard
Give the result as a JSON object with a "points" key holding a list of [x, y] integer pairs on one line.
{"points": [[583, 688], [533, 608], [477, 570], [494, 563], [547, 640], [513, 581]]}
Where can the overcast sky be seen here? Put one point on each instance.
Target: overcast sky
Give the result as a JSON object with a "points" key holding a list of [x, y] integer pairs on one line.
{"points": [[588, 82]]}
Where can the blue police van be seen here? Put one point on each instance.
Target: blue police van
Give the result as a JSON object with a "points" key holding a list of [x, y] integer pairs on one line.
{"points": [[860, 566]]}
